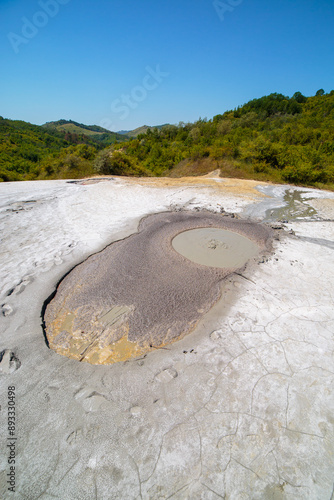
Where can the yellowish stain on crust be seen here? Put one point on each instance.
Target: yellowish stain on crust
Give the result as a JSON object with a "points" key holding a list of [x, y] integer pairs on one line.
{"points": [[91, 352], [75, 344], [122, 350], [236, 187], [66, 322]]}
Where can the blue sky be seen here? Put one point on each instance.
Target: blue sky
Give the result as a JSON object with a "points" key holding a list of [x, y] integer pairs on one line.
{"points": [[128, 63]]}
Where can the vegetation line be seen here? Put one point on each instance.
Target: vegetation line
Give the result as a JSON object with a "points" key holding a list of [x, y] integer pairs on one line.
{"points": [[273, 138]]}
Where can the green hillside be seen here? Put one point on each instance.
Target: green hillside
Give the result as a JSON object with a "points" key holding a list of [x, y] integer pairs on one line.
{"points": [[23, 147], [100, 134], [73, 128], [30, 151], [274, 138]]}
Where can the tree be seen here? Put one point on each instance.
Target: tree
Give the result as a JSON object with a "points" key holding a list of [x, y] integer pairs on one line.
{"points": [[299, 97], [320, 92], [109, 162]]}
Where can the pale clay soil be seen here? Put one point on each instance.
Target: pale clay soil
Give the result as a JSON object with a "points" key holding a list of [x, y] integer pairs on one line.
{"points": [[239, 408]]}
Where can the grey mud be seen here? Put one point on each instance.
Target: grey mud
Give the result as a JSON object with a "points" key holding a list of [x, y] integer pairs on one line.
{"points": [[151, 288]]}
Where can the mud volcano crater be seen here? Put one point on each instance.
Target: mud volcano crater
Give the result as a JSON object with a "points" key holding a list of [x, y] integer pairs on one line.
{"points": [[151, 288]]}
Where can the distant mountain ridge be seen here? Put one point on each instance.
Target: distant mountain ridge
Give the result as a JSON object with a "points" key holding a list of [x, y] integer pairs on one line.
{"points": [[140, 130], [80, 128], [96, 131]]}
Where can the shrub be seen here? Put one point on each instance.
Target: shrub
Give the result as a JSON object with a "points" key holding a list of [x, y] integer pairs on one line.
{"points": [[109, 162]]}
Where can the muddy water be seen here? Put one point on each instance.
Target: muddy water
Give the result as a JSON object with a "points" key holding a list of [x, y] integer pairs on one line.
{"points": [[294, 208], [283, 203], [215, 247]]}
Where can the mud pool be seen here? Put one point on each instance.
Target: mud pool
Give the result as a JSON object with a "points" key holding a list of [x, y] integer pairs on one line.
{"points": [[215, 247], [150, 289]]}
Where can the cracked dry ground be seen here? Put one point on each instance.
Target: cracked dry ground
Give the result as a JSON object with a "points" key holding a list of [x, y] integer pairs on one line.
{"points": [[241, 409], [245, 411]]}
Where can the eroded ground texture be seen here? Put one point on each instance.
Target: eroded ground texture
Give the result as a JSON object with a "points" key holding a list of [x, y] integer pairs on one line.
{"points": [[241, 408]]}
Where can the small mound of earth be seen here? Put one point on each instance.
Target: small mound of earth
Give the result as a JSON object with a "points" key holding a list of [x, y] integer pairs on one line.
{"points": [[139, 293]]}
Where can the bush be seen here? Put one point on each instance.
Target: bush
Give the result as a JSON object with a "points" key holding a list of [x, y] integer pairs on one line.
{"points": [[109, 162], [304, 174]]}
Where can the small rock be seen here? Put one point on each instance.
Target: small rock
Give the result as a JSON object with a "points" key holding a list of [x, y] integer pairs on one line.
{"points": [[276, 225], [9, 363], [92, 463]]}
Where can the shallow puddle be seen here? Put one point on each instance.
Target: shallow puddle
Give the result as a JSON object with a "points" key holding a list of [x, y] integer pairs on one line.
{"points": [[294, 208], [215, 247]]}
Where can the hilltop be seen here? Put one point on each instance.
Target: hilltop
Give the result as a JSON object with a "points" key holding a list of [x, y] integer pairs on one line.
{"points": [[140, 130], [100, 134]]}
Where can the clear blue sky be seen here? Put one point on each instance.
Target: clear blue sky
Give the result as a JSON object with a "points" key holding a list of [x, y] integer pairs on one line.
{"points": [[92, 61]]}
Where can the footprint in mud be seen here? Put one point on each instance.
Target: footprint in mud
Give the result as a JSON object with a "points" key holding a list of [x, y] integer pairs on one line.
{"points": [[90, 400], [21, 286], [6, 310], [9, 363], [166, 375], [79, 436], [75, 437], [216, 336]]}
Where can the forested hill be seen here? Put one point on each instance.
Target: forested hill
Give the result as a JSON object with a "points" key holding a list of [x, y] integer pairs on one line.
{"points": [[31, 151], [274, 138], [140, 130], [99, 134]]}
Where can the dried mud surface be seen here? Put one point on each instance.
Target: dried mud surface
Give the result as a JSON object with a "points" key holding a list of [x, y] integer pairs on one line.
{"points": [[139, 294]]}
